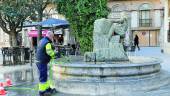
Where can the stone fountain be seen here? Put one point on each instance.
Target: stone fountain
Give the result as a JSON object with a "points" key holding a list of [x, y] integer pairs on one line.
{"points": [[108, 70]]}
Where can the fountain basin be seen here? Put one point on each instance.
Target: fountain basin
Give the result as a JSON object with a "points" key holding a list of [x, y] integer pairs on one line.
{"points": [[136, 66], [117, 86], [108, 78]]}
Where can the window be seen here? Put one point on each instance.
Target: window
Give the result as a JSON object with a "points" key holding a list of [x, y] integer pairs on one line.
{"points": [[116, 10], [168, 33], [144, 16]]}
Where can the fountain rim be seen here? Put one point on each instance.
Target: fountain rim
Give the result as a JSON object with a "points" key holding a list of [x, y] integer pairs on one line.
{"points": [[155, 61]]}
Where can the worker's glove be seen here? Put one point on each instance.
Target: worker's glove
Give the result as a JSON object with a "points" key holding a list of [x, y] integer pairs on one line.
{"points": [[58, 55]]}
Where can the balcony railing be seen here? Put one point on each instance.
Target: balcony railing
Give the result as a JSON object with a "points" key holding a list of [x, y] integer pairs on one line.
{"points": [[145, 22]]}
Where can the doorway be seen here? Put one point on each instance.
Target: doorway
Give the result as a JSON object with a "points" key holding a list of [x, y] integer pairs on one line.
{"points": [[147, 37]]}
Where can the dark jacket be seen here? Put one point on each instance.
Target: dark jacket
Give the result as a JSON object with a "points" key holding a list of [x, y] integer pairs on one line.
{"points": [[136, 40], [41, 54]]}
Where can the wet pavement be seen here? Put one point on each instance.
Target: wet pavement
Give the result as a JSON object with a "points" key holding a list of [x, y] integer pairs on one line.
{"points": [[28, 89], [25, 80]]}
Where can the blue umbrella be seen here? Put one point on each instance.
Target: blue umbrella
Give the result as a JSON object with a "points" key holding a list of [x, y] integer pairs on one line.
{"points": [[52, 22]]}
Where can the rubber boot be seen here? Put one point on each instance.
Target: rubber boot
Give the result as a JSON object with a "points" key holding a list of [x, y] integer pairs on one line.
{"points": [[44, 93], [52, 90]]}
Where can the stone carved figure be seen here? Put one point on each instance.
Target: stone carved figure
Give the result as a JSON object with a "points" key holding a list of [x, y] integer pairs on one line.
{"points": [[119, 27], [107, 40]]}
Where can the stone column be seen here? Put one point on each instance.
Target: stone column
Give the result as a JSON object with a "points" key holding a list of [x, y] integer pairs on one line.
{"points": [[166, 45], [66, 36]]}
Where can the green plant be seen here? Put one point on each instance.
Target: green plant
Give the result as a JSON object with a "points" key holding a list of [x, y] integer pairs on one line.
{"points": [[12, 15], [81, 14]]}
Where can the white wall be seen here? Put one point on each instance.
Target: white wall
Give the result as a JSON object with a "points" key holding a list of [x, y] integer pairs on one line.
{"points": [[1, 35], [166, 45], [134, 19], [157, 18], [66, 36], [165, 20], [26, 42], [4, 39]]}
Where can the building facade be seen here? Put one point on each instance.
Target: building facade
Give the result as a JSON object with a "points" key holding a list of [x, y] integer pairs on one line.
{"points": [[166, 43], [49, 12], [4, 39], [145, 19]]}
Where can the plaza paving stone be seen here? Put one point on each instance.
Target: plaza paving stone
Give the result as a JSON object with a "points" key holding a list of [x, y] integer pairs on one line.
{"points": [[27, 88]]}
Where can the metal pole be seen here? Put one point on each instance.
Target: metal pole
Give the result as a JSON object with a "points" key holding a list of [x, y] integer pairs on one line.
{"points": [[31, 57], [31, 65]]}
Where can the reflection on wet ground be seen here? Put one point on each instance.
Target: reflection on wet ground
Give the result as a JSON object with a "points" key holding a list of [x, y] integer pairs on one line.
{"points": [[29, 90], [20, 76], [26, 89], [24, 83]]}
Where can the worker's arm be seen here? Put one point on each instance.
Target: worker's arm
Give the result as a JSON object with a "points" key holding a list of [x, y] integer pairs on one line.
{"points": [[50, 51]]}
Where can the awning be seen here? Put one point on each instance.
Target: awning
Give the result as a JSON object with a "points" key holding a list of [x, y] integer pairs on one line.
{"points": [[30, 24], [52, 22], [34, 33]]}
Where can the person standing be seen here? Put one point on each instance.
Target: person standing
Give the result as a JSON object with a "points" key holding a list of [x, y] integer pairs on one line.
{"points": [[45, 52], [34, 44], [136, 42]]}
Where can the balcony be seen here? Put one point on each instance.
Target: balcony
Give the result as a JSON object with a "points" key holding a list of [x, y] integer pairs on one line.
{"points": [[145, 22]]}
